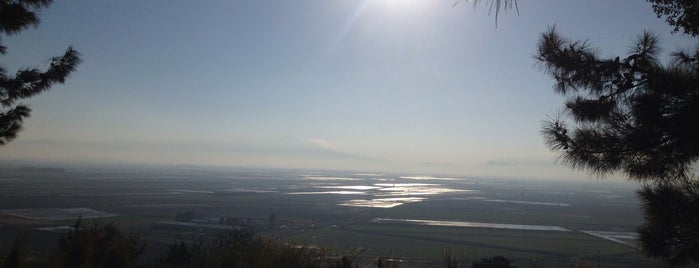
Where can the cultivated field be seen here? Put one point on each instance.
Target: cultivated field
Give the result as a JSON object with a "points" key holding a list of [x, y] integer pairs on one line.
{"points": [[413, 218]]}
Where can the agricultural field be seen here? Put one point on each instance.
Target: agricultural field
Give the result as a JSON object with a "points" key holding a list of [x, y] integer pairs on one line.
{"points": [[411, 218]]}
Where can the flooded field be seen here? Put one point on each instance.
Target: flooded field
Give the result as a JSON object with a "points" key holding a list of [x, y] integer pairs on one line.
{"points": [[466, 224], [384, 212], [382, 192], [56, 213], [624, 238], [381, 202], [528, 202]]}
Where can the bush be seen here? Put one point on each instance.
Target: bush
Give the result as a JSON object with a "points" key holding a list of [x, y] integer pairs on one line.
{"points": [[244, 248], [493, 262], [94, 244], [17, 256]]}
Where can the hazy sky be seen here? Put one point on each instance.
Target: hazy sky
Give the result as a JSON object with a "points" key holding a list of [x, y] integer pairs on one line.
{"points": [[387, 85]]}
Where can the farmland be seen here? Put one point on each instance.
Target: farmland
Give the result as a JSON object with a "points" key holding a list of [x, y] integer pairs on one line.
{"points": [[413, 218]]}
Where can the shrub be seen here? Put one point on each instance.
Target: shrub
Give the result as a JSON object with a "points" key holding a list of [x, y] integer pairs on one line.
{"points": [[95, 244]]}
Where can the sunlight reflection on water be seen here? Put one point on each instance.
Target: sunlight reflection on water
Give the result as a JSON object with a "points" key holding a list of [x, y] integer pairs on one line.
{"points": [[428, 178], [191, 191], [350, 187], [246, 190], [405, 184], [403, 191], [468, 224], [624, 238], [331, 192], [387, 192], [381, 202], [528, 202], [325, 178]]}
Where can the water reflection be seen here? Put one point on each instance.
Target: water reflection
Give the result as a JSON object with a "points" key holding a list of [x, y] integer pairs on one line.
{"points": [[405, 184], [350, 187], [428, 178], [469, 224], [55, 214], [248, 190], [404, 191], [326, 178], [384, 192], [528, 202], [332, 192], [624, 238], [184, 191], [381, 202]]}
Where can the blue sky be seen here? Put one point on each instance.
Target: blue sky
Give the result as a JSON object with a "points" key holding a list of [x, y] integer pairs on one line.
{"points": [[379, 85]]}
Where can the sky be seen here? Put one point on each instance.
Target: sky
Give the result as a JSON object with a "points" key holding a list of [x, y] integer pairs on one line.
{"points": [[422, 86]]}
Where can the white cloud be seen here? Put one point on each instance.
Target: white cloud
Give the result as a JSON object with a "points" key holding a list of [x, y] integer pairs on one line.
{"points": [[322, 143]]}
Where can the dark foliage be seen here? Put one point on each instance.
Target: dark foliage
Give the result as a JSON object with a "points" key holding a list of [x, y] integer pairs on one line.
{"points": [[18, 15], [180, 254], [493, 262], [682, 14], [16, 257], [496, 6], [499, 6], [448, 259], [272, 220], [15, 16], [670, 232], [186, 216], [94, 244], [628, 114], [638, 117], [244, 248]]}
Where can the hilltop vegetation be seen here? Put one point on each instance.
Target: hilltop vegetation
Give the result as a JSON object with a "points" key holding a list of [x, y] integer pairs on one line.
{"points": [[96, 244]]}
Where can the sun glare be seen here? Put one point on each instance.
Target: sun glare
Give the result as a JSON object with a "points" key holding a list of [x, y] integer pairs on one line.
{"points": [[405, 5]]}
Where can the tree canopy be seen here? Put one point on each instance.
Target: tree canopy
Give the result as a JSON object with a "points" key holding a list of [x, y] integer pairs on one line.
{"points": [[496, 6], [671, 228], [630, 114], [682, 14], [16, 16], [635, 116]]}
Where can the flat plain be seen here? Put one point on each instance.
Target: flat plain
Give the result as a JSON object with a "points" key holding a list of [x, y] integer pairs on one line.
{"points": [[403, 216]]}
